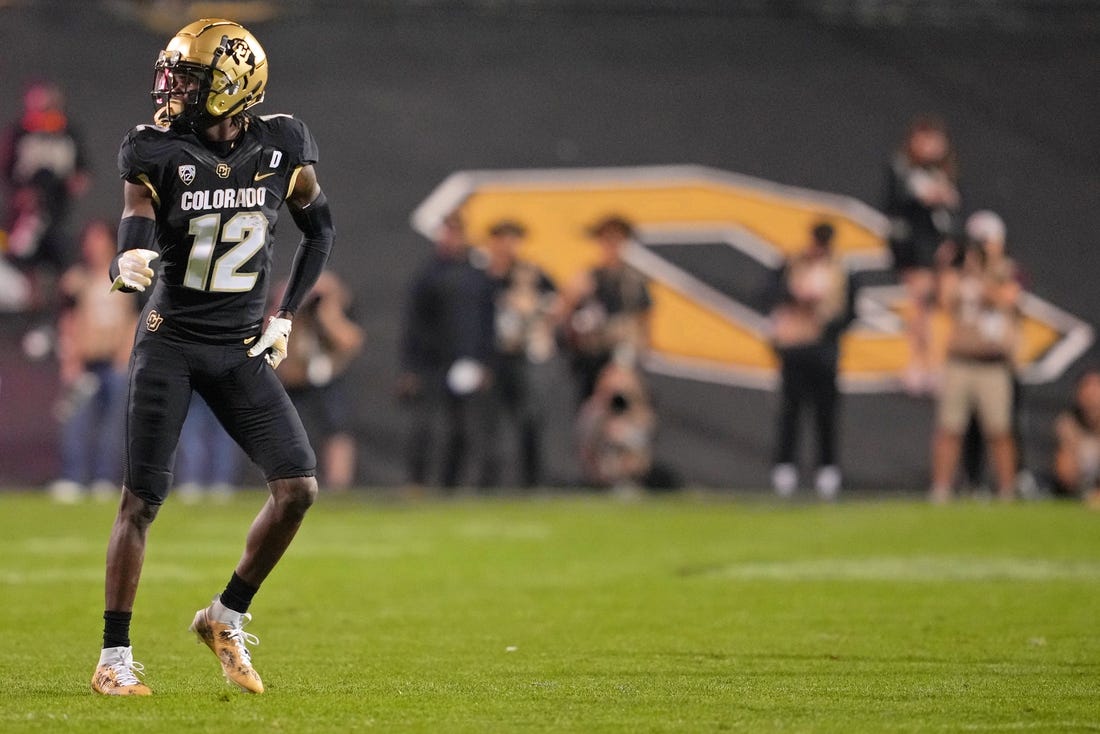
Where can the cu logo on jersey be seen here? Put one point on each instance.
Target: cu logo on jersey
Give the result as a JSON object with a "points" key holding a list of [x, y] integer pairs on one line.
{"points": [[187, 174], [223, 170], [153, 321], [709, 241]]}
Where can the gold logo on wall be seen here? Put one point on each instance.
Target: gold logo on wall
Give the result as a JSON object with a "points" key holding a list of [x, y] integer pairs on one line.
{"points": [[700, 328]]}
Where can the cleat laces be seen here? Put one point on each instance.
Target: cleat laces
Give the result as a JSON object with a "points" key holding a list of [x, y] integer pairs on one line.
{"points": [[239, 637], [127, 670]]}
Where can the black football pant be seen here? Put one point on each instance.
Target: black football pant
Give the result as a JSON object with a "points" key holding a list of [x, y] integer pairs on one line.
{"points": [[243, 393]]}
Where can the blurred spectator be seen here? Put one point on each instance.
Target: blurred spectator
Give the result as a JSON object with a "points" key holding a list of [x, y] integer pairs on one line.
{"points": [[15, 287], [813, 308], [615, 431], [207, 460], [44, 168], [526, 308], [606, 309], [94, 336], [974, 452], [1077, 430], [982, 301], [445, 355], [922, 202], [326, 340]]}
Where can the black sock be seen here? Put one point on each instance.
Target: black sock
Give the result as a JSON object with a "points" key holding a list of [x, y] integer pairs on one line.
{"points": [[116, 629], [238, 594]]}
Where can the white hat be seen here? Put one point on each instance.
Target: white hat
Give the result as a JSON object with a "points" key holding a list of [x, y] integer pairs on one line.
{"points": [[985, 226]]}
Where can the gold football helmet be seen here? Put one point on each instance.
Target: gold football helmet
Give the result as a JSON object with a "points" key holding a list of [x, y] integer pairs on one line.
{"points": [[213, 68]]}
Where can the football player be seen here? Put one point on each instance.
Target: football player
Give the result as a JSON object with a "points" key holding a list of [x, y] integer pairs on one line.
{"points": [[202, 191]]}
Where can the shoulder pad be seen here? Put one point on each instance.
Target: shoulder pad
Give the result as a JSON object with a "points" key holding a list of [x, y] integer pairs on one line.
{"points": [[292, 134]]}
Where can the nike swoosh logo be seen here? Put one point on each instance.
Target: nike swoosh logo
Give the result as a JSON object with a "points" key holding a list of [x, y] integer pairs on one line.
{"points": [[262, 176]]}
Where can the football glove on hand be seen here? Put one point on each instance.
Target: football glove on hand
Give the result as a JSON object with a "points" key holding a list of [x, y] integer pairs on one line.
{"points": [[273, 342], [134, 271]]}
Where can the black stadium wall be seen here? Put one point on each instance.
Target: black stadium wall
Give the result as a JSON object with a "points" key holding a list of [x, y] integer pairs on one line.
{"points": [[400, 96]]}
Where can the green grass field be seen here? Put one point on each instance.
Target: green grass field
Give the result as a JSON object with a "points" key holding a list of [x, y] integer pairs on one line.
{"points": [[576, 614]]}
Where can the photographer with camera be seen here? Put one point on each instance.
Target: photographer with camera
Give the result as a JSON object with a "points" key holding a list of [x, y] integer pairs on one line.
{"points": [[615, 430], [326, 342]]}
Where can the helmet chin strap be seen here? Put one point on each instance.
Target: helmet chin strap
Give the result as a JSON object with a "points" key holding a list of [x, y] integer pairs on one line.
{"points": [[219, 52]]}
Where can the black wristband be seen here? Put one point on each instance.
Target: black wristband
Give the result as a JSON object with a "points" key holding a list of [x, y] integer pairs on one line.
{"points": [[134, 233], [137, 233]]}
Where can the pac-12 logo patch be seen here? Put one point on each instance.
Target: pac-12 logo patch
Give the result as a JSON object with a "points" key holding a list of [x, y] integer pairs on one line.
{"points": [[187, 174]]}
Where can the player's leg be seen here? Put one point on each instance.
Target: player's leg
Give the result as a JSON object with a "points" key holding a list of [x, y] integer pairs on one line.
{"points": [[221, 624], [251, 403], [157, 405]]}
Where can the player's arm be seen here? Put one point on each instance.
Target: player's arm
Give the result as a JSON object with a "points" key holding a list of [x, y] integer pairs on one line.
{"points": [[310, 212], [137, 238]]}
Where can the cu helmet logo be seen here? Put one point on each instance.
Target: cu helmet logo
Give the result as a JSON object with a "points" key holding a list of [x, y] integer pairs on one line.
{"points": [[238, 50]]}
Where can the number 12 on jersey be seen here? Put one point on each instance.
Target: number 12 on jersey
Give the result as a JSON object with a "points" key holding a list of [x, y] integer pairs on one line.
{"points": [[247, 229]]}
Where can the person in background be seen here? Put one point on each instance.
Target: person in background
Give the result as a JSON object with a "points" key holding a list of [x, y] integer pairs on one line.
{"points": [[1077, 433], [813, 306], [326, 341], [981, 299], [607, 308], [922, 203], [208, 460], [446, 351], [526, 310], [44, 168], [94, 336], [615, 428]]}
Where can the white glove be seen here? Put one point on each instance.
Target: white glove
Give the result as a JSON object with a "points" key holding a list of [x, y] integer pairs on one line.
{"points": [[134, 271], [272, 343]]}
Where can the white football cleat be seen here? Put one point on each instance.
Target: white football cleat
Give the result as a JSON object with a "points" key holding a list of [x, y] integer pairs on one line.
{"points": [[117, 674]]}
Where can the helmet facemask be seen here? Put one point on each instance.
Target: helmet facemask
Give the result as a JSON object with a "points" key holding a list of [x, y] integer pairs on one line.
{"points": [[179, 88]]}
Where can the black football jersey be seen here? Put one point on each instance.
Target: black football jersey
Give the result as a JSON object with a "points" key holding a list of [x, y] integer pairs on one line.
{"points": [[215, 220]]}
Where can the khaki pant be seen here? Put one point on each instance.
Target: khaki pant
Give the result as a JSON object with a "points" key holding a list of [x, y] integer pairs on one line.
{"points": [[982, 387]]}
